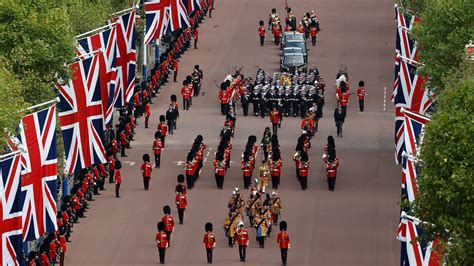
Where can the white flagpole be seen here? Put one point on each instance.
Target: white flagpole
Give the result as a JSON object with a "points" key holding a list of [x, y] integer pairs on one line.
{"points": [[144, 54], [95, 30], [39, 105], [135, 7], [9, 154]]}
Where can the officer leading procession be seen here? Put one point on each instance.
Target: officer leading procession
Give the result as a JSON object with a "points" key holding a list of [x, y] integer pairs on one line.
{"points": [[230, 133]]}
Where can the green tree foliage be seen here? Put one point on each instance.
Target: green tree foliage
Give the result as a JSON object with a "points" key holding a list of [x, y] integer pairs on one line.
{"points": [[446, 187], [10, 92], [446, 28], [36, 40]]}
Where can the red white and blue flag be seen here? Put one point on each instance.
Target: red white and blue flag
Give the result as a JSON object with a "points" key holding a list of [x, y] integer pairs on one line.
{"points": [[409, 176], [39, 173], [126, 55], [192, 5], [179, 18], [413, 252], [413, 95], [157, 19], [80, 114], [107, 41], [10, 212]]}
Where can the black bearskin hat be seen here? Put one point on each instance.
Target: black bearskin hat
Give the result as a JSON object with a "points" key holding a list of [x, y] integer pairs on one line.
{"points": [[160, 226], [157, 134], [208, 227], [162, 118], [260, 22], [146, 157], [283, 226], [173, 98], [180, 178], [361, 83], [167, 209]]}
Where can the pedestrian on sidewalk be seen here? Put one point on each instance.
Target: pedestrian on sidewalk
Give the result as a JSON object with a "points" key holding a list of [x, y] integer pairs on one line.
{"points": [[209, 242], [146, 170], [118, 178], [161, 241], [181, 203]]}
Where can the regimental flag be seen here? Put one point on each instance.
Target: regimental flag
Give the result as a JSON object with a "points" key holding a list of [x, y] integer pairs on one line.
{"points": [[405, 45], [10, 212], [413, 252], [39, 173], [178, 15], [126, 57], [192, 5], [80, 114], [107, 41], [413, 95], [156, 18]]}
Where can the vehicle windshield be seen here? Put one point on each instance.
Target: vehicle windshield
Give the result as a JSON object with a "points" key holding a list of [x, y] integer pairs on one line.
{"points": [[296, 44], [290, 37], [293, 59]]}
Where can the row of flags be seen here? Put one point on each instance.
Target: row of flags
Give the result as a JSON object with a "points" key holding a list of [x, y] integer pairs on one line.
{"points": [[412, 100], [164, 16], [102, 78]]}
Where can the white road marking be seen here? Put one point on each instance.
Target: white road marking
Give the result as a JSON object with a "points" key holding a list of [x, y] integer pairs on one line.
{"points": [[179, 163], [132, 163], [384, 98]]}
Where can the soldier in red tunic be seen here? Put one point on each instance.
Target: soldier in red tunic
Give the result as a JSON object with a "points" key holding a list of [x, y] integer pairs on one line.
{"points": [[361, 95], [275, 118], [175, 70], [147, 113], [118, 179], [146, 170], [303, 169], [162, 241], [168, 222], [224, 99], [209, 242], [242, 240], [331, 169], [186, 94], [262, 32], [157, 147], [246, 169], [283, 242], [181, 203], [275, 168]]}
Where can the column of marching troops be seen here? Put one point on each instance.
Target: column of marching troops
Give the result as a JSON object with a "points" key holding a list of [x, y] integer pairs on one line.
{"points": [[87, 184]]}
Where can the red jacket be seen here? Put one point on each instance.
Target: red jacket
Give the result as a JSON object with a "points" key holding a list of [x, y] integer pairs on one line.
{"points": [[181, 201], [283, 239], [303, 169], [147, 110], [313, 31], [185, 93], [161, 240], [169, 223], [275, 168], [118, 177], [163, 128], [246, 168], [344, 99], [331, 168], [275, 117], [146, 169], [223, 97], [111, 162], [242, 237], [209, 240], [361, 94], [196, 34], [219, 167], [175, 65], [157, 146], [261, 31]]}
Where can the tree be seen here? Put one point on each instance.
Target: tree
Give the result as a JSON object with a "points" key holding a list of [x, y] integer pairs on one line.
{"points": [[445, 29], [12, 102], [446, 185]]}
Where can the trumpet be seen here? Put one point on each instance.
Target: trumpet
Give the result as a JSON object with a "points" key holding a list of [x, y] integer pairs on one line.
{"points": [[296, 156]]}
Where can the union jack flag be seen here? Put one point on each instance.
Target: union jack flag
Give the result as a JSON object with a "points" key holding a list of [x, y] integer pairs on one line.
{"points": [[126, 57], [192, 5], [413, 126], [413, 95], [107, 41], [178, 15], [10, 212], [80, 114], [405, 45], [413, 252], [409, 176], [39, 173], [157, 19]]}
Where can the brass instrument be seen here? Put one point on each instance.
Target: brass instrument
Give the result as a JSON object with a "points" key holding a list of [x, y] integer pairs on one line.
{"points": [[296, 156]]}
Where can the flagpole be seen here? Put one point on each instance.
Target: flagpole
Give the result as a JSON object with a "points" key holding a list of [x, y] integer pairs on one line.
{"points": [[144, 53], [9, 154], [404, 110], [408, 59], [95, 30], [39, 105], [157, 51], [126, 10]]}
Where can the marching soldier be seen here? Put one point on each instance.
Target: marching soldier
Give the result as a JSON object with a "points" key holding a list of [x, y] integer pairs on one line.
{"points": [[190, 170], [246, 169], [262, 32], [260, 224], [267, 135], [303, 170], [118, 178], [283, 242], [230, 227], [186, 94], [147, 113], [181, 184], [275, 207], [157, 147], [242, 240], [331, 170], [255, 99], [275, 118], [162, 241], [339, 120], [181, 203], [209, 242], [313, 31], [168, 223], [197, 77], [175, 69], [163, 129], [244, 100], [264, 171], [275, 168], [219, 169], [361, 95], [146, 170], [224, 99]]}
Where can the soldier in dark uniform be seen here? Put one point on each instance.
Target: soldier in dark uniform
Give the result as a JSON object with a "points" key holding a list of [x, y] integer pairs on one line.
{"points": [[244, 99], [295, 101], [263, 102], [256, 99], [197, 77], [286, 101]]}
